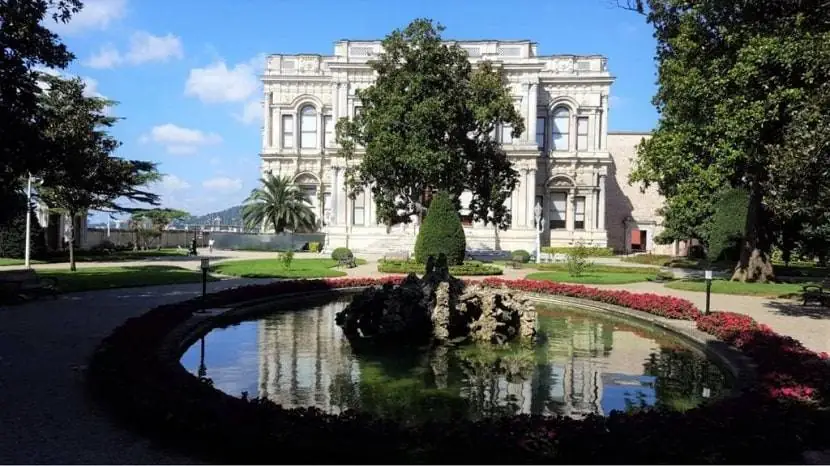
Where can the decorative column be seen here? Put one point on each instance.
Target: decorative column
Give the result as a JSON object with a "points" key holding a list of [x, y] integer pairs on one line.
{"points": [[604, 130], [335, 194], [276, 134], [267, 140], [569, 210], [343, 105], [514, 206], [530, 190], [601, 211], [335, 101], [595, 130], [590, 211], [371, 216], [532, 104]]}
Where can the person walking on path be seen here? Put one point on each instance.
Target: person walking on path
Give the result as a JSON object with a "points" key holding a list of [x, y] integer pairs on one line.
{"points": [[210, 245]]}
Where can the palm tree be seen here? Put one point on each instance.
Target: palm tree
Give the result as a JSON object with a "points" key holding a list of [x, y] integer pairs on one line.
{"points": [[280, 203]]}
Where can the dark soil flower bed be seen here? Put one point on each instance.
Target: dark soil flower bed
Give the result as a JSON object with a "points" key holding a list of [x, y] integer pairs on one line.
{"points": [[772, 424]]}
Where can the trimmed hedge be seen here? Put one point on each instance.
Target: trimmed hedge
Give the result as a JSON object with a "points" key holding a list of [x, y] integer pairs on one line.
{"points": [[772, 425], [520, 255], [341, 253], [441, 233], [593, 251], [470, 268]]}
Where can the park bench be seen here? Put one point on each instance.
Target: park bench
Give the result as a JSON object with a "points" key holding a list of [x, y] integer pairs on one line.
{"points": [[17, 284], [348, 261], [817, 293]]}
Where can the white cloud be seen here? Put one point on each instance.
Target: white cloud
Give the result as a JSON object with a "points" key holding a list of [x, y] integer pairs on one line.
{"points": [[144, 48], [95, 15], [219, 83], [107, 57], [180, 140], [223, 184], [174, 183], [251, 112]]}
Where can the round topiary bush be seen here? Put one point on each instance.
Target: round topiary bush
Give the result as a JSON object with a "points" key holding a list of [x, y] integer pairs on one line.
{"points": [[441, 232], [341, 253], [520, 255]]}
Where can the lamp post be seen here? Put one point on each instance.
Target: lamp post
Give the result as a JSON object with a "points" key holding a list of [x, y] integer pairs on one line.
{"points": [[708, 276], [205, 267], [537, 216], [28, 221]]}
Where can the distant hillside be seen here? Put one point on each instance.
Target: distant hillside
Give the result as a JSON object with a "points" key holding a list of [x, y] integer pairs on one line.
{"points": [[229, 216]]}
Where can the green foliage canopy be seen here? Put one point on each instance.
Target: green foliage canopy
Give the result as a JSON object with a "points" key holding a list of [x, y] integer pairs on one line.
{"points": [[429, 123], [741, 87]]}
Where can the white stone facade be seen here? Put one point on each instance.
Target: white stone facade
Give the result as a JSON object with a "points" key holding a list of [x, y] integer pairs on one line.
{"points": [[565, 157]]}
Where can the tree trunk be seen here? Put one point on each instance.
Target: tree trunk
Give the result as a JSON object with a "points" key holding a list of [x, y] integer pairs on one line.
{"points": [[72, 267], [497, 244], [755, 264]]}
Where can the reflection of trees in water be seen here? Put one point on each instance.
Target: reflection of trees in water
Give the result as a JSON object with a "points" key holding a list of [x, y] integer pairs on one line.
{"points": [[682, 378]]}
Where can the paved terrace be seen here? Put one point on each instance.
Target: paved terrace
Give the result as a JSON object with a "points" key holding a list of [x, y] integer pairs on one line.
{"points": [[45, 346]]}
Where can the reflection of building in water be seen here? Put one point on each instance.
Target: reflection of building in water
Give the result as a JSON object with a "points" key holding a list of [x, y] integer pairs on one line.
{"points": [[300, 354], [580, 354]]}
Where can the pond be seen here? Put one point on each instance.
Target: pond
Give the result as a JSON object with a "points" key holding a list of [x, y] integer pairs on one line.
{"points": [[580, 364]]}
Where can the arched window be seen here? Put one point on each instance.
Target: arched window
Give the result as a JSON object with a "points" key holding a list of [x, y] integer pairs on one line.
{"points": [[561, 128], [308, 127]]}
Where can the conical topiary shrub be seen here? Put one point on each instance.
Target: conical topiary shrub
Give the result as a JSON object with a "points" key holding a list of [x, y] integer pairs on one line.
{"points": [[441, 232]]}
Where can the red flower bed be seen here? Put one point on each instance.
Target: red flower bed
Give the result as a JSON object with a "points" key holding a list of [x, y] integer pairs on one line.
{"points": [[664, 306]]}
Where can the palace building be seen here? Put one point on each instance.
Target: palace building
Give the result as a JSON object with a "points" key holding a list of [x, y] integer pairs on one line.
{"points": [[570, 164]]}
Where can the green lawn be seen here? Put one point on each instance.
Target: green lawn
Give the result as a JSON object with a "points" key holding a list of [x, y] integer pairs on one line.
{"points": [[116, 256], [767, 290], [592, 277], [7, 261], [99, 278], [274, 268]]}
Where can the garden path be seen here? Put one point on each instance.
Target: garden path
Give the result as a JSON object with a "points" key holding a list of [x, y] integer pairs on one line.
{"points": [[45, 414]]}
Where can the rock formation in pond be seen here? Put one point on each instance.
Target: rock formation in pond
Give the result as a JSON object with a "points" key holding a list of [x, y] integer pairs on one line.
{"points": [[437, 307]]}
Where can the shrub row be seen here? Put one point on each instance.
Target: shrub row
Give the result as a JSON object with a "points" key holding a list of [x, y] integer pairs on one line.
{"points": [[468, 269], [167, 403], [593, 251]]}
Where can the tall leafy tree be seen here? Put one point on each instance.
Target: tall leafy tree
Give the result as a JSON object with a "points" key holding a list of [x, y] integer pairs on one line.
{"points": [[428, 123], [26, 44], [279, 204], [85, 175], [741, 89], [159, 218]]}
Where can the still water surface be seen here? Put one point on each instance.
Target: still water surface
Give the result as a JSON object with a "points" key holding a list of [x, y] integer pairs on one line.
{"points": [[580, 364]]}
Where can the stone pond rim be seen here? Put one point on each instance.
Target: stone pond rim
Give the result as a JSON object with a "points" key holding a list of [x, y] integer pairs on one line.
{"points": [[174, 388]]}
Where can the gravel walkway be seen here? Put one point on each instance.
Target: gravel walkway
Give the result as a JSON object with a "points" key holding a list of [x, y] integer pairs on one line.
{"points": [[45, 415]]}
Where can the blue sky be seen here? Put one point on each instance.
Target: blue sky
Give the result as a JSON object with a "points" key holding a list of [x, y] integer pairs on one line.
{"points": [[185, 71]]}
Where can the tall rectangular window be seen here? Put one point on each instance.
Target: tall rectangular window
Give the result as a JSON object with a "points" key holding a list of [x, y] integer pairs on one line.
{"points": [[328, 128], [308, 127], [287, 131], [561, 128], [506, 134], [359, 209], [582, 133], [541, 131], [558, 210], [579, 213]]}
